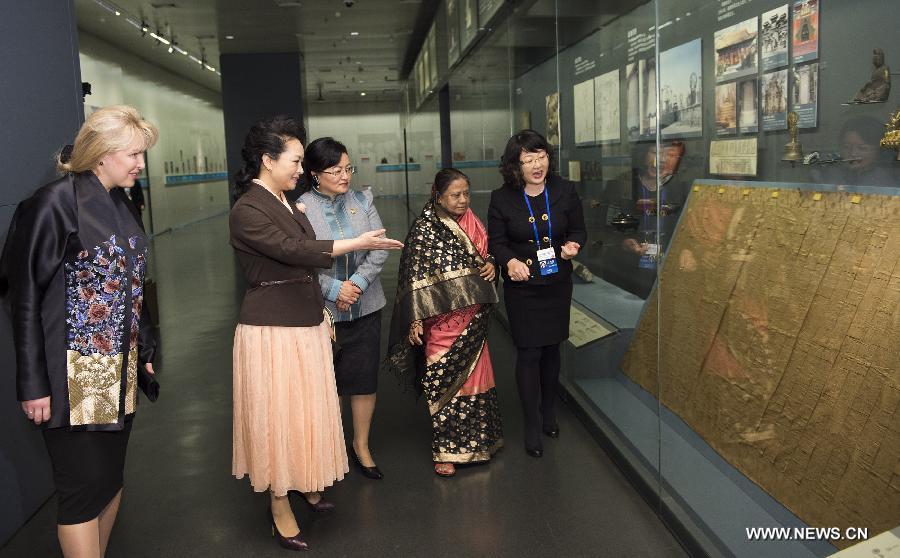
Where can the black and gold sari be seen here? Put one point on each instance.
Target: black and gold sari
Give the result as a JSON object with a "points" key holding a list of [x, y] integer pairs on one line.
{"points": [[440, 285]]}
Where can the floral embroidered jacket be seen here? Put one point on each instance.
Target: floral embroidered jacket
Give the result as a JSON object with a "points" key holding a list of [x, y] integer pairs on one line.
{"points": [[72, 272]]}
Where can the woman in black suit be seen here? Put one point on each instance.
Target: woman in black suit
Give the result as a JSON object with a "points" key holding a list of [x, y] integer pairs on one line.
{"points": [[536, 226]]}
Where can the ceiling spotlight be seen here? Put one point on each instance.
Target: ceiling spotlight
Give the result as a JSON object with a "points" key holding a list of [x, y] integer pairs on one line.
{"points": [[354, 33], [362, 94], [118, 13], [229, 37], [171, 49]]}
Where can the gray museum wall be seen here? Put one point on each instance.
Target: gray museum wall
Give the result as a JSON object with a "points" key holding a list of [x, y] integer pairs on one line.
{"points": [[41, 111]]}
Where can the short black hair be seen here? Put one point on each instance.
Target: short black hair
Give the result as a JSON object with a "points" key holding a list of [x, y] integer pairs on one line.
{"points": [[528, 141], [321, 154], [266, 137]]}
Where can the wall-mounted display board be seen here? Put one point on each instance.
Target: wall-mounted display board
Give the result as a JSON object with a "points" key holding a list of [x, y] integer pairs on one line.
{"points": [[805, 86], [451, 8], [736, 50], [606, 107], [774, 41], [680, 91], [805, 30], [468, 23], [775, 342], [487, 9], [583, 96]]}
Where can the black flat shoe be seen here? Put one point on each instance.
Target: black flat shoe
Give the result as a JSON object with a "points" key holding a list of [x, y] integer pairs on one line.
{"points": [[290, 543], [371, 472], [534, 452], [552, 432]]}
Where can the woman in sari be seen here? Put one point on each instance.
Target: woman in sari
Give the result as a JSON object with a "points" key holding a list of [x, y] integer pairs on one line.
{"points": [[439, 328]]}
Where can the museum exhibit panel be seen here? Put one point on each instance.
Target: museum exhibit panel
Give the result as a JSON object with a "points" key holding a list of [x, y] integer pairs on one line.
{"points": [[736, 305]]}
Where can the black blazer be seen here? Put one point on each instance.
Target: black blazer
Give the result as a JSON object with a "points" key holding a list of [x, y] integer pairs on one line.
{"points": [[512, 236], [74, 250], [279, 253]]}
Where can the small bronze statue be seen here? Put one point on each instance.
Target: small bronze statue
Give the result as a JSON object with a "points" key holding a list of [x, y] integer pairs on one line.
{"points": [[793, 151], [878, 88], [891, 139]]}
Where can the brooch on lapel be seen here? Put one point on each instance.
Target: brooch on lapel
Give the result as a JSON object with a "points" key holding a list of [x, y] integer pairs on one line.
{"points": [[353, 211]]}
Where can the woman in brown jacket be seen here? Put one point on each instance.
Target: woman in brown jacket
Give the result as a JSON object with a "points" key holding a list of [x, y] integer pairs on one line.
{"points": [[287, 421]]}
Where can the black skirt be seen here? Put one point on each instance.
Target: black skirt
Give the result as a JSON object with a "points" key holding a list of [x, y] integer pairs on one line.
{"points": [[538, 314], [88, 469], [356, 369]]}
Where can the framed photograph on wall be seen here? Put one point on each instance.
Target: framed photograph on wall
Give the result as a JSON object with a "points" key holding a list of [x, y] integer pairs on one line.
{"points": [[487, 9], [805, 88], [452, 9], [606, 107], [583, 99], [748, 106], [773, 87], [726, 108], [737, 50], [552, 102], [468, 23], [774, 42], [680, 90], [632, 101], [805, 30]]}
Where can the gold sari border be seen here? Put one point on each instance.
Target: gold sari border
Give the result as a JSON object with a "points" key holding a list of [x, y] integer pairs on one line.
{"points": [[468, 457]]}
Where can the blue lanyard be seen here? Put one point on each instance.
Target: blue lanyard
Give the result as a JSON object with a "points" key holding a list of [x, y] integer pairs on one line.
{"points": [[537, 237]]}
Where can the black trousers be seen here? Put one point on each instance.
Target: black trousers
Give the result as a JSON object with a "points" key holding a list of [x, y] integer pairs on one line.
{"points": [[537, 377]]}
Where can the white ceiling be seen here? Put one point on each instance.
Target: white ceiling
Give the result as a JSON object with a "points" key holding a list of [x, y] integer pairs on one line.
{"points": [[339, 63]]}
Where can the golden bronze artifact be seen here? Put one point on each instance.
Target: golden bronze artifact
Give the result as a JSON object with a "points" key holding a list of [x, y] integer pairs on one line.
{"points": [[793, 151]]}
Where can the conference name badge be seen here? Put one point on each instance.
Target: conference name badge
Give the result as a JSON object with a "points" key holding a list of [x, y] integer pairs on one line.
{"points": [[547, 261]]}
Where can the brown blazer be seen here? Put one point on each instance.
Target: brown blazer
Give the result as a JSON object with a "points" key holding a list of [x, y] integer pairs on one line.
{"points": [[279, 253]]}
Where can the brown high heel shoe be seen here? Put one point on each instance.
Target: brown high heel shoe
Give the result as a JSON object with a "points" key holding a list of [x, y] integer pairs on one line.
{"points": [[290, 543]]}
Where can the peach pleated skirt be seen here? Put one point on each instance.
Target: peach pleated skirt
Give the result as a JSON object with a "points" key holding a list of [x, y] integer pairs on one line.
{"points": [[287, 430]]}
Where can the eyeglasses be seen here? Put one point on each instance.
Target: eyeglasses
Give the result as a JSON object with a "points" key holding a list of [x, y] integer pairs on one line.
{"points": [[530, 162], [339, 172]]}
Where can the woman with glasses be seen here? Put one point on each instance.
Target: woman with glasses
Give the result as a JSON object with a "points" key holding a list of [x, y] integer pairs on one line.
{"points": [[536, 226], [351, 287], [445, 295]]}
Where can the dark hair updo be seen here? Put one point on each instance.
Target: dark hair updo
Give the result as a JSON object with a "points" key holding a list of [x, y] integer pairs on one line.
{"points": [[528, 141], [321, 154], [266, 137], [444, 178]]}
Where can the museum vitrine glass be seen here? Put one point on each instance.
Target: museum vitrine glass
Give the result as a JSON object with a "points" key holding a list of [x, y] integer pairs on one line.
{"points": [[737, 302]]}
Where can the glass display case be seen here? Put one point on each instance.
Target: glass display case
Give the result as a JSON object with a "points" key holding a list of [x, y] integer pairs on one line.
{"points": [[734, 306]]}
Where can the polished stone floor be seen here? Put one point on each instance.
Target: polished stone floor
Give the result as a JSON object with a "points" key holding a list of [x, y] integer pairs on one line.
{"points": [[180, 498]]}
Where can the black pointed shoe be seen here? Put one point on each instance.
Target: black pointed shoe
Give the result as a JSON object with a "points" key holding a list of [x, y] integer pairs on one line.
{"points": [[372, 472], [291, 543]]}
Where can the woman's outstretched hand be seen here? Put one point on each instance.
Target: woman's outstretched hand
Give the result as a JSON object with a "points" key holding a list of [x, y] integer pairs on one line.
{"points": [[375, 240]]}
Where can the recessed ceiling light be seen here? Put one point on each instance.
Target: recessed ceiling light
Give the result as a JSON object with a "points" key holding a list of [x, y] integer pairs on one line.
{"points": [[354, 33], [362, 94], [229, 37]]}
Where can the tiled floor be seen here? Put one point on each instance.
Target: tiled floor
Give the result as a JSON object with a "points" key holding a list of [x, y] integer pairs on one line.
{"points": [[180, 498]]}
